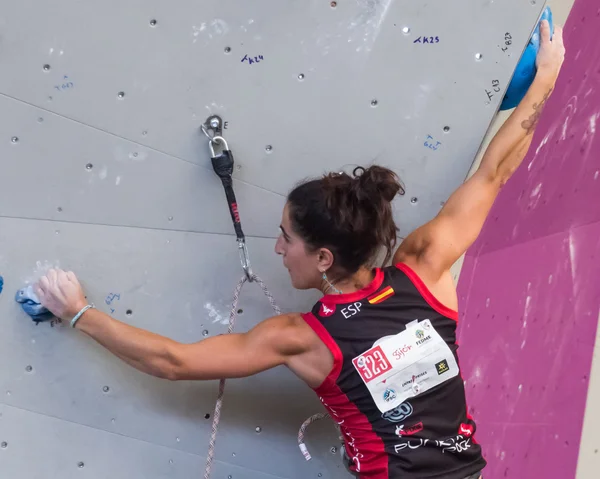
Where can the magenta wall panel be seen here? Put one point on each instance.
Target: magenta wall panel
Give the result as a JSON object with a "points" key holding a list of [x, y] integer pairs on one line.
{"points": [[530, 287]]}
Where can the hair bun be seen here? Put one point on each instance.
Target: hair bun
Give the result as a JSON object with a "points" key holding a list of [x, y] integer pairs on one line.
{"points": [[376, 182]]}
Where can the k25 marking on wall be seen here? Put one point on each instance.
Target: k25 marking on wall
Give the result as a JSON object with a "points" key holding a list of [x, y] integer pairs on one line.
{"points": [[427, 40]]}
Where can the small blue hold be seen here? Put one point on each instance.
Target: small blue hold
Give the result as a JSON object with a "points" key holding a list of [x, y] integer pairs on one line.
{"points": [[1, 283], [526, 69], [30, 303]]}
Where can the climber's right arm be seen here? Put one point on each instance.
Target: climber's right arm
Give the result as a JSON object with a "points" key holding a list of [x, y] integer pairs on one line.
{"points": [[273, 342], [280, 340]]}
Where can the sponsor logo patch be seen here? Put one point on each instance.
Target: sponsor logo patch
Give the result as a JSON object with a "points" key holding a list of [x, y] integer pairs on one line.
{"points": [[389, 395], [442, 367], [326, 310], [410, 430], [399, 413], [465, 430]]}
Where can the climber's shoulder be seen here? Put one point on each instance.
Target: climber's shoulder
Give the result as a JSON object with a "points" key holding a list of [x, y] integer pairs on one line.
{"points": [[304, 352]]}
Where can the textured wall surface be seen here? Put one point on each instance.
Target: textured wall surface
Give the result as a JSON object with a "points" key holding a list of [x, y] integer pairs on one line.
{"points": [[104, 171], [529, 286]]}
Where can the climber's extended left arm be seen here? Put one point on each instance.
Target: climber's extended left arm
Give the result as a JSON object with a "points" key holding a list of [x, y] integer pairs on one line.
{"points": [[271, 343]]}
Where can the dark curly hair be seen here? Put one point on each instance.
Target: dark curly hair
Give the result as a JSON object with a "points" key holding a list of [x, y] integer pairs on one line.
{"points": [[349, 215]]}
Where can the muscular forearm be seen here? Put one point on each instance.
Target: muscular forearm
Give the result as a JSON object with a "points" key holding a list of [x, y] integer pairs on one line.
{"points": [[510, 145], [145, 351]]}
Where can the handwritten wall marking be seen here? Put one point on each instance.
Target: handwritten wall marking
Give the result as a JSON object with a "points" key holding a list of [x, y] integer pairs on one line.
{"points": [[251, 61], [427, 40], [507, 41], [495, 89], [66, 85], [429, 144], [111, 298]]}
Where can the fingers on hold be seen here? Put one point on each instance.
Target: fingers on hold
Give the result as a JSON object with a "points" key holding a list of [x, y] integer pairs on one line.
{"points": [[71, 277], [52, 275], [545, 30], [44, 283], [38, 291]]}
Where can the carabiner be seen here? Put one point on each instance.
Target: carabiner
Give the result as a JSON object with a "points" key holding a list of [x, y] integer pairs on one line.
{"points": [[245, 260], [217, 140]]}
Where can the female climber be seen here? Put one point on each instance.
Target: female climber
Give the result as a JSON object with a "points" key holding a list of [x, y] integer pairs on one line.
{"points": [[379, 348]]}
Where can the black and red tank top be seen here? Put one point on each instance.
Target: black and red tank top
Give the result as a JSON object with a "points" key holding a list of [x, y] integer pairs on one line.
{"points": [[431, 434]]}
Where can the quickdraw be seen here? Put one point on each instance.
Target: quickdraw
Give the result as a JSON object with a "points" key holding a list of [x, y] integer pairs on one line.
{"points": [[222, 162]]}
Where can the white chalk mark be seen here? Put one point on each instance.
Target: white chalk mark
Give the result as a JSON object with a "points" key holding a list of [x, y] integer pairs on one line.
{"points": [[542, 143], [103, 173], [368, 22], [572, 253], [527, 311], [41, 268], [534, 197], [214, 314], [593, 119], [118, 181]]}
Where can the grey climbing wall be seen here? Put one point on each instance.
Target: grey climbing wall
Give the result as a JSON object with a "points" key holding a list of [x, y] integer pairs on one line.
{"points": [[103, 170]]}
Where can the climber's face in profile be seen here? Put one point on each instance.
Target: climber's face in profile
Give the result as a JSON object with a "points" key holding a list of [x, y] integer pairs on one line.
{"points": [[302, 263]]}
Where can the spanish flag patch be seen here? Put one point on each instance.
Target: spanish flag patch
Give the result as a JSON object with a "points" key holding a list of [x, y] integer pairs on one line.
{"points": [[381, 296]]}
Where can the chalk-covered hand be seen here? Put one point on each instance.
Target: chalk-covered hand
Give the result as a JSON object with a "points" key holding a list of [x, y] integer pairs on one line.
{"points": [[61, 293], [551, 54]]}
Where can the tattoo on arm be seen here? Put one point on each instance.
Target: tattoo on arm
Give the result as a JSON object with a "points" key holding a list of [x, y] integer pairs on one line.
{"points": [[530, 124]]}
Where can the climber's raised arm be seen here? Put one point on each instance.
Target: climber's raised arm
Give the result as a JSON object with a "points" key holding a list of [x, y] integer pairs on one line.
{"points": [[271, 343], [437, 245]]}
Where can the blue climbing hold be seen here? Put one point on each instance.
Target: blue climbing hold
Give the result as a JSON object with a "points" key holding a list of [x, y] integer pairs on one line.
{"points": [[1, 283], [526, 69], [30, 303]]}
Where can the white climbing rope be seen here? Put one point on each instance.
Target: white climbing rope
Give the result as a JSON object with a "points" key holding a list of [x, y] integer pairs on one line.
{"points": [[219, 403], [305, 424]]}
